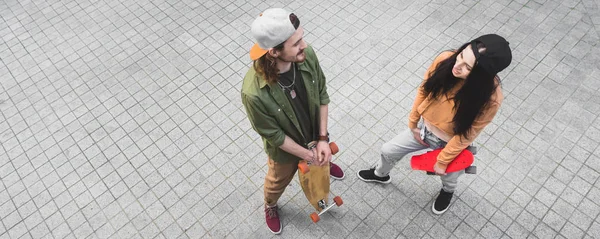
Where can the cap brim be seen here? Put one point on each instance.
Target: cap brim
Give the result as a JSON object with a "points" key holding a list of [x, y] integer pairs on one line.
{"points": [[256, 52]]}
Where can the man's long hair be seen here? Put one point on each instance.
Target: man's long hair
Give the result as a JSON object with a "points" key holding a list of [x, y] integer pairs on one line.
{"points": [[471, 99], [266, 65]]}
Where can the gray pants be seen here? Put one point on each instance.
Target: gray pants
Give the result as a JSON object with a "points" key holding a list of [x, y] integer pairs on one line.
{"points": [[405, 143]]}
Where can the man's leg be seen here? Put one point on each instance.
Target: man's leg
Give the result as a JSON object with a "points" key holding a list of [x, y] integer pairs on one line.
{"points": [[278, 178]]}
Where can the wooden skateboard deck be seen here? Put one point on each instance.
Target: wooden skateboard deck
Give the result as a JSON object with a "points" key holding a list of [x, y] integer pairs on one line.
{"points": [[315, 183]]}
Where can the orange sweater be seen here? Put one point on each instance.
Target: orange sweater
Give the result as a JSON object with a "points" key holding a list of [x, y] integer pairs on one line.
{"points": [[440, 113]]}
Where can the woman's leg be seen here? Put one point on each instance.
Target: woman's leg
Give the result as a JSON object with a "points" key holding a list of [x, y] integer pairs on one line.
{"points": [[394, 150]]}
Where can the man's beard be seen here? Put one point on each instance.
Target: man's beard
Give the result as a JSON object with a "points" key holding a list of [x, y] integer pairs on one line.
{"points": [[292, 59]]}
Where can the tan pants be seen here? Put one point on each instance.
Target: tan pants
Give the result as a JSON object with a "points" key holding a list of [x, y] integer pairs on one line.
{"points": [[278, 178]]}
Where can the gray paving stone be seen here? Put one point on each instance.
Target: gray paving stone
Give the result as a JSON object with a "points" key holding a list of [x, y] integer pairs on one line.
{"points": [[123, 119]]}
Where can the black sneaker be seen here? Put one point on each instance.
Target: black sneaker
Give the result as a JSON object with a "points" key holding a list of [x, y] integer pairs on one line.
{"points": [[442, 202], [369, 176]]}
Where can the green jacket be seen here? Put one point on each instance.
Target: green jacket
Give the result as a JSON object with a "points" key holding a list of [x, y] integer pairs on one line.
{"points": [[270, 112]]}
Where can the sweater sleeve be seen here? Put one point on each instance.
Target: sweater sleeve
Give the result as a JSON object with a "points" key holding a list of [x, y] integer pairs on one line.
{"points": [[414, 116], [458, 143]]}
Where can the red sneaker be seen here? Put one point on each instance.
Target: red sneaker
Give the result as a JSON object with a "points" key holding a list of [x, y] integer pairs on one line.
{"points": [[336, 172], [273, 222]]}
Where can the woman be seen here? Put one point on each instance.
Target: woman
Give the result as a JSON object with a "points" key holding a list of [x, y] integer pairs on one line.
{"points": [[457, 100]]}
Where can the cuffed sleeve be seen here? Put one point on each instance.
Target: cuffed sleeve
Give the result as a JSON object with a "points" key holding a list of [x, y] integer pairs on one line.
{"points": [[414, 115], [263, 123]]}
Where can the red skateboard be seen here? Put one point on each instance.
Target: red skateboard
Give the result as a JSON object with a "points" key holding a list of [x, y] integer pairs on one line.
{"points": [[427, 160]]}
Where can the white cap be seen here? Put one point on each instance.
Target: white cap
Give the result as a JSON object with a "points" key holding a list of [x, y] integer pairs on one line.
{"points": [[270, 28]]}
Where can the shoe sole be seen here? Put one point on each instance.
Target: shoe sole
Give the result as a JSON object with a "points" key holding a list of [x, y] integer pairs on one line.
{"points": [[280, 227], [373, 180], [336, 178], [436, 212], [276, 233]]}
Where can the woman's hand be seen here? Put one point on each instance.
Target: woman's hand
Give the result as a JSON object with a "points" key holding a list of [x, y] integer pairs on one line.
{"points": [[417, 134], [440, 169]]}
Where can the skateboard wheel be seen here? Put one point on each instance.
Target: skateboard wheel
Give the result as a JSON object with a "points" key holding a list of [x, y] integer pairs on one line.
{"points": [[315, 217], [303, 167], [338, 201], [471, 170], [334, 148]]}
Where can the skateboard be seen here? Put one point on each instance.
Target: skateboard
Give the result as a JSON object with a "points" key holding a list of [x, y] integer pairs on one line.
{"points": [[427, 160], [314, 181]]}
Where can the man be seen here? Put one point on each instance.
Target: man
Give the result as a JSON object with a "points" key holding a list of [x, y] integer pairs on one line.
{"points": [[286, 99]]}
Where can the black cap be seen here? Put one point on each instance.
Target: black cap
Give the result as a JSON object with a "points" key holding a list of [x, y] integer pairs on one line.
{"points": [[497, 55]]}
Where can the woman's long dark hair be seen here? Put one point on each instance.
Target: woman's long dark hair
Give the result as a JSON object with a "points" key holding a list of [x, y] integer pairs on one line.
{"points": [[471, 99]]}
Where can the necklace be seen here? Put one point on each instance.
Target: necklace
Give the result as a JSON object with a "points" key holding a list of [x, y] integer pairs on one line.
{"points": [[292, 91]]}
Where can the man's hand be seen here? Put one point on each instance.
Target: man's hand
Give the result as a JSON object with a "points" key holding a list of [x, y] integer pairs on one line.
{"points": [[310, 156], [440, 169], [417, 134], [323, 153]]}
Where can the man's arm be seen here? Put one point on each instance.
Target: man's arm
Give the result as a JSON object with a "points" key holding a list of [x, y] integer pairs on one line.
{"points": [[266, 126], [290, 146], [323, 114], [262, 122], [323, 150]]}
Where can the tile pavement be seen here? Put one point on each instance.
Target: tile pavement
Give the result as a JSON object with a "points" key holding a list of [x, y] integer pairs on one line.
{"points": [[122, 119]]}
